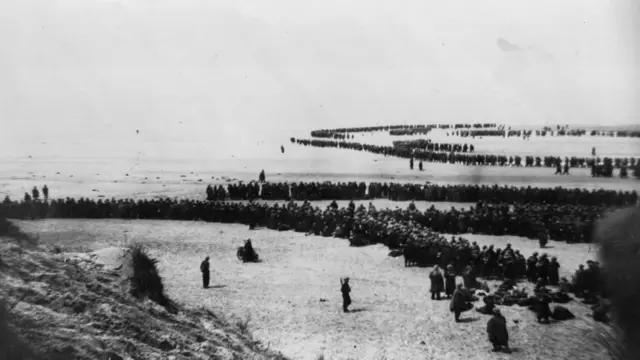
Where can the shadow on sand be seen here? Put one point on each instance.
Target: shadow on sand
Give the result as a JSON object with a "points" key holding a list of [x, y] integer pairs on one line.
{"points": [[357, 310], [469, 319], [216, 286]]}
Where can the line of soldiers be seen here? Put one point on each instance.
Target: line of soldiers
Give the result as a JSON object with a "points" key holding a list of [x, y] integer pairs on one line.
{"points": [[571, 223], [419, 192], [327, 132], [423, 144], [474, 159]]}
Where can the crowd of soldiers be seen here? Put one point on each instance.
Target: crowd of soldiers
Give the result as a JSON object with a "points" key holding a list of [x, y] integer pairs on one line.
{"points": [[421, 192], [408, 132], [476, 159], [571, 223], [484, 129], [328, 133], [425, 144], [565, 131]]}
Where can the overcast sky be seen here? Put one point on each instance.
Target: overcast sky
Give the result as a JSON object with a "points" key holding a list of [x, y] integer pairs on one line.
{"points": [[199, 67]]}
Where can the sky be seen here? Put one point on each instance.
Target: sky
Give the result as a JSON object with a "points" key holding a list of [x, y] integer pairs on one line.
{"points": [[199, 70]]}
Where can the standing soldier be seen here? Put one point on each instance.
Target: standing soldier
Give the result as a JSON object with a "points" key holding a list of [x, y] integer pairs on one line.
{"points": [[566, 168], [437, 283], [45, 192], [558, 168], [623, 172], [411, 164], [554, 271], [282, 148], [204, 268], [450, 281], [497, 331], [532, 262], [593, 151], [346, 298], [35, 193], [420, 165], [262, 177], [543, 236]]}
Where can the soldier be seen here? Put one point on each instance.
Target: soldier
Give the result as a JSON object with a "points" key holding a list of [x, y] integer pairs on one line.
{"points": [[558, 168], [579, 285], [497, 331], [554, 271], [457, 304], [420, 166], [282, 149], [543, 237], [411, 164], [45, 192], [249, 253], [566, 168], [204, 268], [437, 283], [623, 172], [450, 281], [35, 193], [346, 297], [262, 177]]}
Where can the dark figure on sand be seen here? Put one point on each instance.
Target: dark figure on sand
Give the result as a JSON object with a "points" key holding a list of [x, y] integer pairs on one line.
{"points": [[449, 281], [543, 238], [437, 283], [497, 331], [420, 165], [282, 149], [346, 298], [204, 268], [262, 177], [35, 193], [248, 250], [45, 192], [458, 303]]}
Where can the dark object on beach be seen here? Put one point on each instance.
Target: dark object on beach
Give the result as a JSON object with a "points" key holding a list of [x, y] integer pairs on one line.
{"points": [[561, 313], [204, 269], [345, 289], [246, 253]]}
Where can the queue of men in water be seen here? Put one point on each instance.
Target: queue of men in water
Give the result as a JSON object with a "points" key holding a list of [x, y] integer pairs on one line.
{"points": [[475, 159], [472, 130], [419, 192]]}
